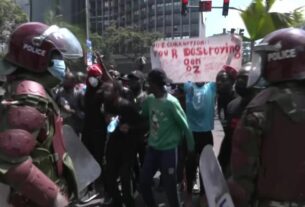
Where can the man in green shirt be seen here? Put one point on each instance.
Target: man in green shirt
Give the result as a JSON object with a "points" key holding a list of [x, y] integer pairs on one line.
{"points": [[168, 124]]}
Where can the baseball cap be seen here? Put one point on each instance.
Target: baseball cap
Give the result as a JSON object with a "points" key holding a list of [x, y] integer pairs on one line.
{"points": [[136, 74]]}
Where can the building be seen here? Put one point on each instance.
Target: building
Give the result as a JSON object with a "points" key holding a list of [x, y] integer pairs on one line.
{"points": [[72, 11], [163, 16]]}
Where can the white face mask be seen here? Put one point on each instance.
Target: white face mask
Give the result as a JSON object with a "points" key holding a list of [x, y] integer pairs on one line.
{"points": [[58, 69], [93, 81]]}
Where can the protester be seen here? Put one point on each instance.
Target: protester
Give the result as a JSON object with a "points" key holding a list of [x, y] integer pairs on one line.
{"points": [[121, 145], [268, 144], [235, 110], [178, 92], [225, 80], [94, 130], [200, 104], [123, 122], [33, 159], [135, 81], [167, 125], [114, 74], [70, 101], [80, 85]]}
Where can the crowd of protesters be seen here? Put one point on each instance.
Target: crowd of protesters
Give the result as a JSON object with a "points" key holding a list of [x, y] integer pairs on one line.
{"points": [[136, 124]]}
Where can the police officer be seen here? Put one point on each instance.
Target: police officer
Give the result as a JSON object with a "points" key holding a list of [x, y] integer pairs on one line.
{"points": [[33, 159], [268, 145]]}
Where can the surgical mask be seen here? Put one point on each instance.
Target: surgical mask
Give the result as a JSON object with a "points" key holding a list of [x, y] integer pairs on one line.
{"points": [[93, 82], [58, 69]]}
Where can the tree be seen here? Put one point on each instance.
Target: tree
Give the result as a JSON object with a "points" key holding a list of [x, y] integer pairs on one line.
{"points": [[127, 41], [259, 22], [10, 16]]}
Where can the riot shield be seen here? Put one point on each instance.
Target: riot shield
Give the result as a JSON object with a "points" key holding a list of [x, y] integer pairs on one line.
{"points": [[215, 185], [87, 169]]}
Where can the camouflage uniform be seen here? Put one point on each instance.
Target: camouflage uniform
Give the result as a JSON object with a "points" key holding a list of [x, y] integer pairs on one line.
{"points": [[267, 166]]}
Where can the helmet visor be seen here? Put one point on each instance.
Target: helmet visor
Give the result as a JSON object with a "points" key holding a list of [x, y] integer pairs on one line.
{"points": [[64, 41], [256, 70]]}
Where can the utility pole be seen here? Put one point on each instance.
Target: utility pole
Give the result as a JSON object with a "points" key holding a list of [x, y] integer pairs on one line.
{"points": [[87, 20], [89, 60], [31, 10]]}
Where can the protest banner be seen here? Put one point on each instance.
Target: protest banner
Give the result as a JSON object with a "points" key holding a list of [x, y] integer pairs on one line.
{"points": [[196, 59]]}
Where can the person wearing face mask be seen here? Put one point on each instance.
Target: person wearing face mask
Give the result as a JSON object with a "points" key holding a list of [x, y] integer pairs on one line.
{"points": [[33, 158], [95, 127], [94, 130], [234, 112]]}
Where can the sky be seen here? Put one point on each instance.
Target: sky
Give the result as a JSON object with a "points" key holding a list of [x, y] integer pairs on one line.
{"points": [[215, 22]]}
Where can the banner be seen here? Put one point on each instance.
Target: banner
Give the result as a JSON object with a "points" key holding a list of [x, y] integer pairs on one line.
{"points": [[196, 59]]}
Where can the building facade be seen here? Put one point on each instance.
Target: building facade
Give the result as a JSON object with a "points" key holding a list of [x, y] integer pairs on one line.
{"points": [[74, 11], [163, 16]]}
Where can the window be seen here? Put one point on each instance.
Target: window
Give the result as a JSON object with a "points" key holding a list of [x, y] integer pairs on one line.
{"points": [[106, 5], [168, 29], [168, 7], [168, 19]]}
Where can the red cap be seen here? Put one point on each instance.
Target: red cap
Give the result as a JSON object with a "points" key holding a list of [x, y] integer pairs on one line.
{"points": [[94, 70], [232, 72]]}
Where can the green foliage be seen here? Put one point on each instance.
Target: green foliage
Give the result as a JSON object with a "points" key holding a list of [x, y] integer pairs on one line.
{"points": [[128, 41], [10, 16], [10, 11], [259, 22]]}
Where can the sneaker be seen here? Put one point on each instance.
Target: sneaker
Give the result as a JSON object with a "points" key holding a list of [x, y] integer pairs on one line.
{"points": [[196, 189], [89, 196]]}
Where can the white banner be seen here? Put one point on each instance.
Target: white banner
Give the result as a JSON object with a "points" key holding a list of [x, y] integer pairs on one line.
{"points": [[196, 59]]}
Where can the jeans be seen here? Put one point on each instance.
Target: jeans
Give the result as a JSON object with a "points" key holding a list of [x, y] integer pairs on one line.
{"points": [[166, 162], [201, 140]]}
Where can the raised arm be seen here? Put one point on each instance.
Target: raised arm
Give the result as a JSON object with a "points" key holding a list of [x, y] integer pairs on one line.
{"points": [[106, 76]]}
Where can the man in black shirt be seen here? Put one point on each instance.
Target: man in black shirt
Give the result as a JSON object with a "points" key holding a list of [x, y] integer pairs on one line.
{"points": [[121, 143]]}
